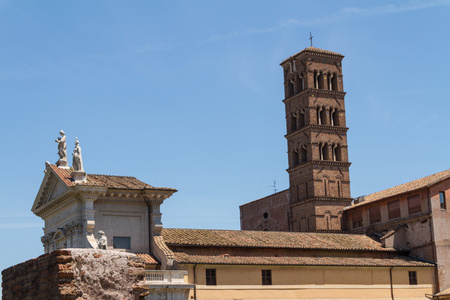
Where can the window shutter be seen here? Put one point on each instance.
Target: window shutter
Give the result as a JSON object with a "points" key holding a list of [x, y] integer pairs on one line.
{"points": [[394, 209], [375, 214], [414, 204], [357, 219]]}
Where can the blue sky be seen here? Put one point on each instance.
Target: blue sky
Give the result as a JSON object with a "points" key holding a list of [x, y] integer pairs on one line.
{"points": [[188, 94]]}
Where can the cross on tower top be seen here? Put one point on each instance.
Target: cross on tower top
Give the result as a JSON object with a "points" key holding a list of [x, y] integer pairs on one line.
{"points": [[310, 38]]}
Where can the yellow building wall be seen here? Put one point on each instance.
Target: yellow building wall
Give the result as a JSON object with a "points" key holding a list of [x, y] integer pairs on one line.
{"points": [[244, 282]]}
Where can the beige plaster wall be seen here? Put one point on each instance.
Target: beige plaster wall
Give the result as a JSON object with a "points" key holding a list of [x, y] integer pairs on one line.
{"points": [[244, 282]]}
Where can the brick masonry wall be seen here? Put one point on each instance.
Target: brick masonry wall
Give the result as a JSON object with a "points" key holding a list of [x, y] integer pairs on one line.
{"points": [[59, 275]]}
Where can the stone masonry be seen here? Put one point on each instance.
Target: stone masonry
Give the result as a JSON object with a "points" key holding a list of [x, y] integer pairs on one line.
{"points": [[74, 274]]}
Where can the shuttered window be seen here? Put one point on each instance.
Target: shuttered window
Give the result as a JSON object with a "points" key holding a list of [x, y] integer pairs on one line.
{"points": [[375, 214], [394, 209], [414, 204], [357, 219]]}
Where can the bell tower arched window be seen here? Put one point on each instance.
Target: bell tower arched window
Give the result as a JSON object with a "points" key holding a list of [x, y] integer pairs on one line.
{"points": [[303, 154], [295, 157], [316, 79], [301, 83], [334, 82], [319, 119], [330, 81], [321, 80]]}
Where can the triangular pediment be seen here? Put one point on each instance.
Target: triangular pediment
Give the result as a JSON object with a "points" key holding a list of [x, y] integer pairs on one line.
{"points": [[51, 188]]}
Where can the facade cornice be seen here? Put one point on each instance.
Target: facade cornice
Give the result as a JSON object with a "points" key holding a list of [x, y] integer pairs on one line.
{"points": [[41, 210], [328, 199], [320, 162], [315, 126], [311, 51], [315, 91]]}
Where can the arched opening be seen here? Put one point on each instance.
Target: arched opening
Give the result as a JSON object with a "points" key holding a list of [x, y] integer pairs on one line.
{"points": [[319, 119], [335, 118], [316, 79], [301, 83], [330, 81], [339, 154], [323, 116], [302, 119], [325, 186], [320, 79], [290, 89], [327, 217], [321, 146], [339, 187], [326, 151], [292, 123], [334, 82], [303, 154], [294, 156], [333, 152]]}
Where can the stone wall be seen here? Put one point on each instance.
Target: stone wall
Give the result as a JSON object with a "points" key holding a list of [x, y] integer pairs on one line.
{"points": [[76, 274]]}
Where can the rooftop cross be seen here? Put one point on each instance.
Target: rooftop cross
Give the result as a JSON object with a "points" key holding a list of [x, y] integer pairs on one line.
{"points": [[310, 38]]}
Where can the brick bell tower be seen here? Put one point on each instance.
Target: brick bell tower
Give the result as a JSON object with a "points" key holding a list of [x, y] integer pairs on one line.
{"points": [[317, 140]]}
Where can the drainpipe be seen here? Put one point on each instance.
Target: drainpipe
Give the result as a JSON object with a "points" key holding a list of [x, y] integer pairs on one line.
{"points": [[392, 286], [195, 283]]}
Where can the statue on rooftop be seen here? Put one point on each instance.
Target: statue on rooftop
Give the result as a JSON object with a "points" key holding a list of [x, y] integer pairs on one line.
{"points": [[62, 150], [77, 162], [102, 241]]}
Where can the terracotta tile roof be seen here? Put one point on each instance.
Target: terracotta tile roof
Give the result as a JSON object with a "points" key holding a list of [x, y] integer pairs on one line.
{"points": [[147, 258], [109, 181], [312, 49], [400, 261], [403, 188], [269, 239]]}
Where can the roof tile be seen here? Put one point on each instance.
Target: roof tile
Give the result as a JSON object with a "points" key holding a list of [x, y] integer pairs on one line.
{"points": [[399, 261], [109, 181], [403, 188], [265, 239]]}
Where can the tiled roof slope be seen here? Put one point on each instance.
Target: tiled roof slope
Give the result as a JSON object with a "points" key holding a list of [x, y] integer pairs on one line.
{"points": [[400, 261], [269, 239], [147, 258], [312, 49], [406, 187], [109, 181]]}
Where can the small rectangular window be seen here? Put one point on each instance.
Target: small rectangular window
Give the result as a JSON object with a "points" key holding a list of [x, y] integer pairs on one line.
{"points": [[442, 200], [394, 209], [375, 214], [122, 242], [266, 277], [357, 219], [211, 277], [412, 277]]}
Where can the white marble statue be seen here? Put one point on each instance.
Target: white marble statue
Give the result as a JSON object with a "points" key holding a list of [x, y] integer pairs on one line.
{"points": [[102, 241], [62, 147], [77, 162]]}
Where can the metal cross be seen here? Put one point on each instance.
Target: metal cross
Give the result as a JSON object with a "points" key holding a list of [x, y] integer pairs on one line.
{"points": [[310, 37]]}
